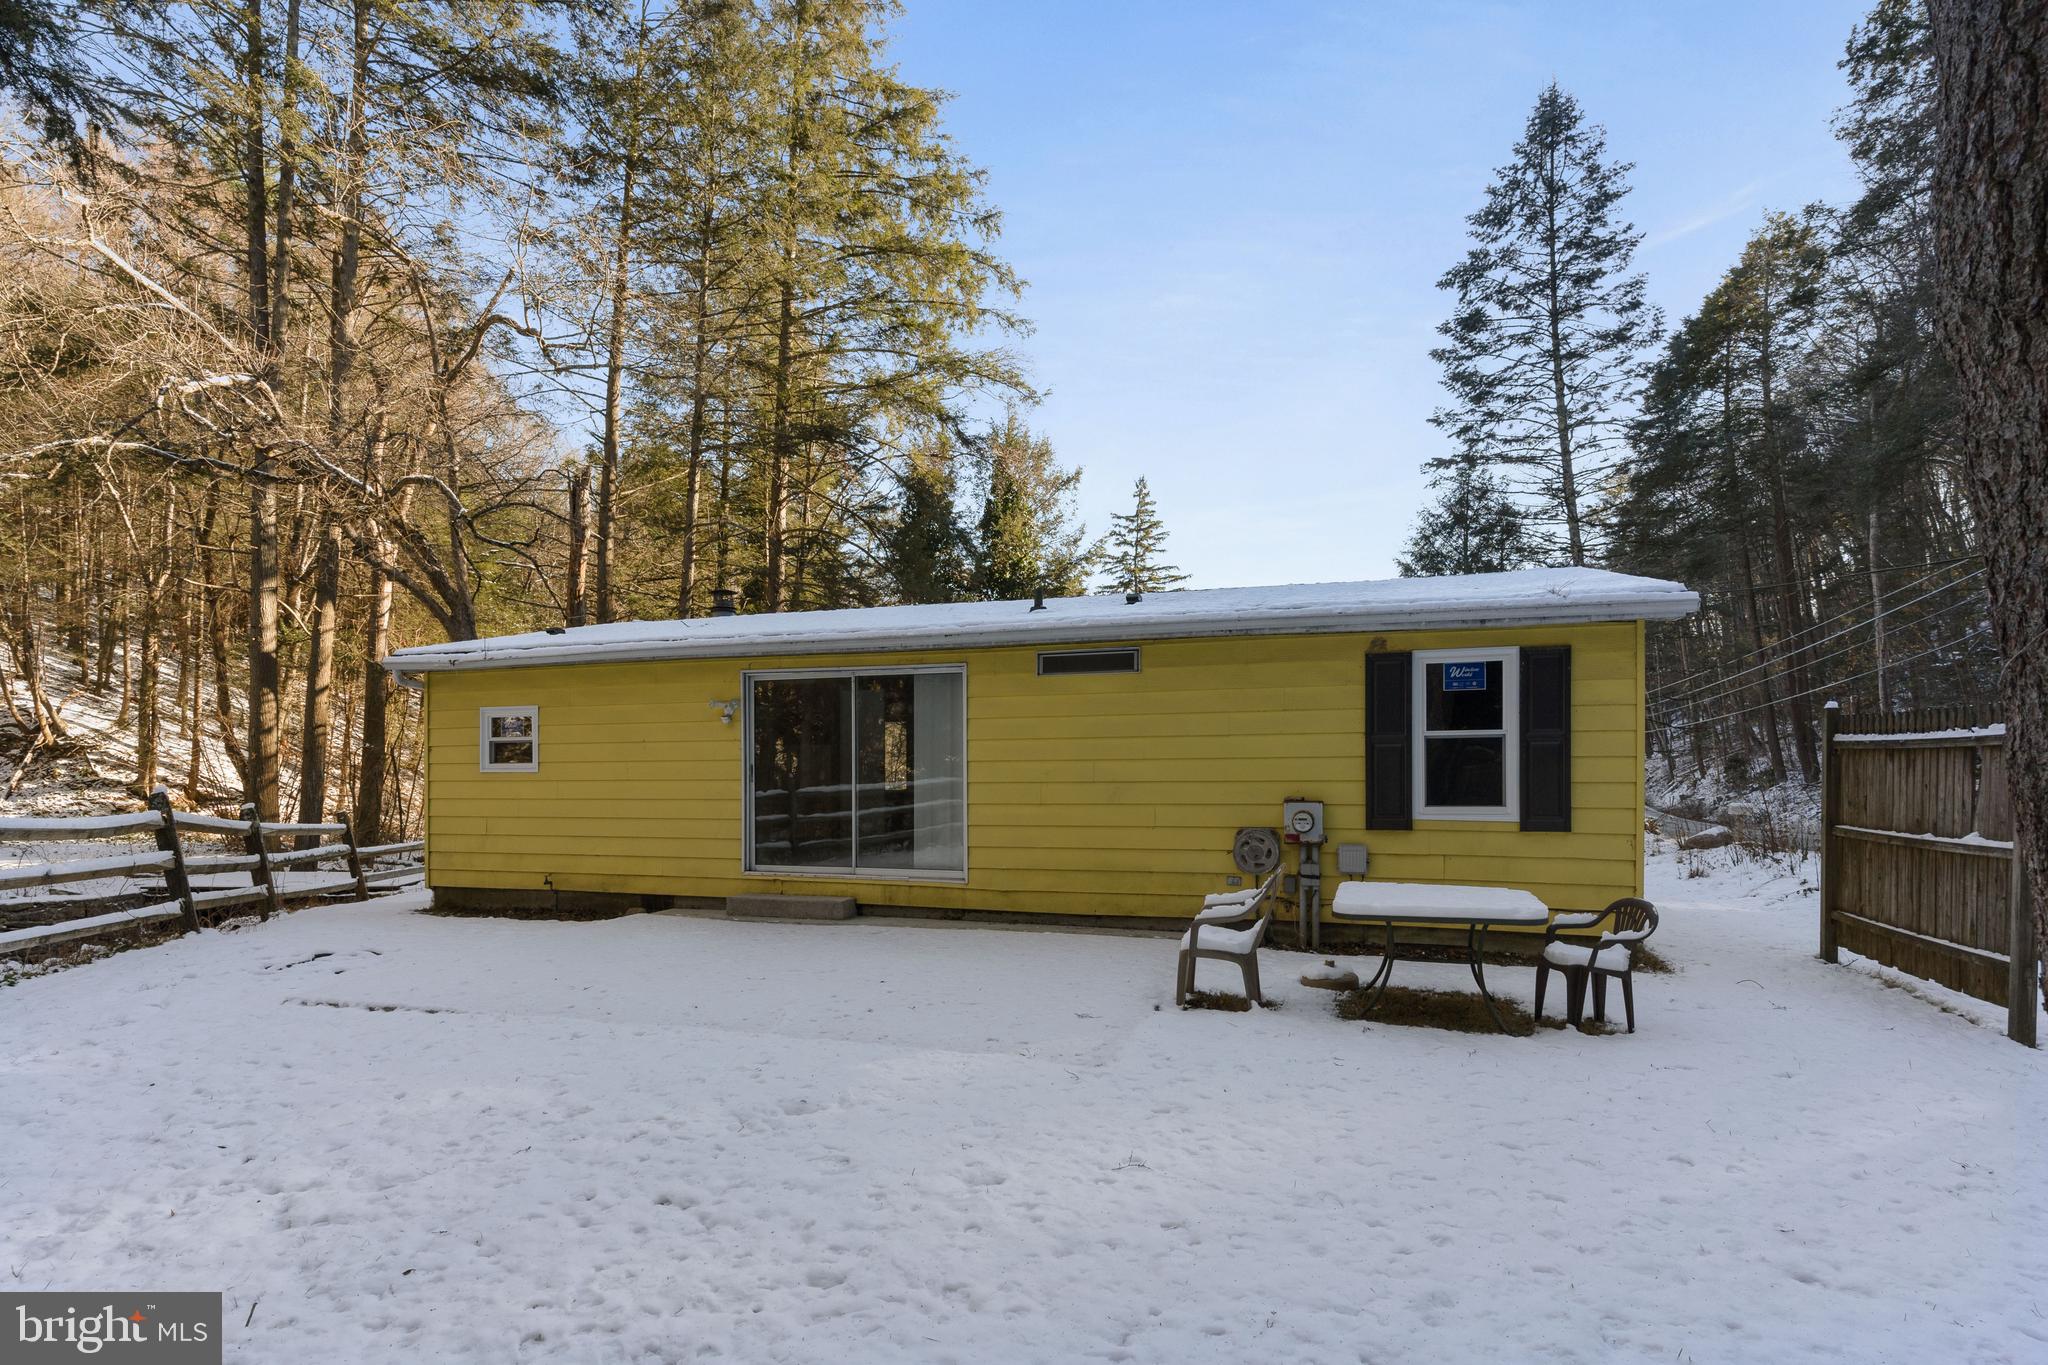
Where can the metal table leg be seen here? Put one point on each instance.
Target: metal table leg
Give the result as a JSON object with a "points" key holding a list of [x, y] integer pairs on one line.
{"points": [[1380, 978], [1475, 942]]}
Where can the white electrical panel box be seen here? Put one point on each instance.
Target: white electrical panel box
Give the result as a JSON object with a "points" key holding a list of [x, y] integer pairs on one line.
{"points": [[1301, 822]]}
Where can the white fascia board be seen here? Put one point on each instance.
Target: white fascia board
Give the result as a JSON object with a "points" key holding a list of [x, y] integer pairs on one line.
{"points": [[1655, 607]]}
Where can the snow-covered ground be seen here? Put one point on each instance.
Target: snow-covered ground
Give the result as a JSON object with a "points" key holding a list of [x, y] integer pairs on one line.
{"points": [[398, 1137]]}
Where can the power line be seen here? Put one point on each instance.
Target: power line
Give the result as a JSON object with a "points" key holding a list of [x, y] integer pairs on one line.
{"points": [[1847, 611], [1723, 687], [1882, 568], [1962, 639]]}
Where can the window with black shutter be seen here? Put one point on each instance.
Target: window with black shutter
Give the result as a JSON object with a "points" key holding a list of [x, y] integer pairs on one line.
{"points": [[1387, 726], [1467, 725], [1547, 738]]}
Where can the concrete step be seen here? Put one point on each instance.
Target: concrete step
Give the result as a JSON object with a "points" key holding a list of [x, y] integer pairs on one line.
{"points": [[759, 906]]}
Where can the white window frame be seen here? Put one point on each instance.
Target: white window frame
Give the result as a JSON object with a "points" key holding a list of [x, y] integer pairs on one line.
{"points": [[750, 868], [1510, 660], [484, 716]]}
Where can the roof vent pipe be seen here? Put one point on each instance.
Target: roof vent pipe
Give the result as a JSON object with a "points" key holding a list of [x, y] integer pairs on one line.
{"points": [[1038, 600], [722, 602], [1131, 599]]}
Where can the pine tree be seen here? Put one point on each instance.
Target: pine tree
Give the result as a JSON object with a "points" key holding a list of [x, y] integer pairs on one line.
{"points": [[1131, 551], [1473, 527], [876, 267], [1541, 353], [925, 551], [1027, 540]]}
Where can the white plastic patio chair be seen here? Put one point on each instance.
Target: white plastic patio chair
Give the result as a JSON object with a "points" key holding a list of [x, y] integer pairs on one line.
{"points": [[1209, 937], [1613, 954]]}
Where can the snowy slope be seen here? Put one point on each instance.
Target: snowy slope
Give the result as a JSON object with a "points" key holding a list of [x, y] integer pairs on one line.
{"points": [[397, 1137], [92, 773]]}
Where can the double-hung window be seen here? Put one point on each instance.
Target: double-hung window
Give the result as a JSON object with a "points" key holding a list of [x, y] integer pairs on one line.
{"points": [[508, 739], [1467, 725], [857, 772]]}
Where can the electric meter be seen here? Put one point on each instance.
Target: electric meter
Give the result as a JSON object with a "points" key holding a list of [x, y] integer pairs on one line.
{"points": [[1303, 821]]}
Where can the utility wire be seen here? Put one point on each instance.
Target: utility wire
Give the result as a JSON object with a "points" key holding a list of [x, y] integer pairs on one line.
{"points": [[1962, 639], [1724, 687], [1882, 568], [1673, 687], [1708, 670]]}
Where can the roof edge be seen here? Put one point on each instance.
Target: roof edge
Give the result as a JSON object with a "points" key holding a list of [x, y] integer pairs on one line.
{"points": [[1662, 606]]}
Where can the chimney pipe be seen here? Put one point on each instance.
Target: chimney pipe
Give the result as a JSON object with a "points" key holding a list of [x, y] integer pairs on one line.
{"points": [[1038, 600], [1131, 599], [722, 602]]}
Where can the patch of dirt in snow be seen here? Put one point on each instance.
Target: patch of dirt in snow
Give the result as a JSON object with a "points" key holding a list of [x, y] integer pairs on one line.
{"points": [[664, 1137]]}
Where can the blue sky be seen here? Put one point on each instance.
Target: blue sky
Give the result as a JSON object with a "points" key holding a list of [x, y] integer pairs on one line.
{"points": [[1232, 217]]}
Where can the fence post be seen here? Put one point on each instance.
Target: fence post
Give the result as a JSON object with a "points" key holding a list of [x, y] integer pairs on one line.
{"points": [[176, 880], [355, 855], [1830, 815], [262, 876], [2022, 985]]}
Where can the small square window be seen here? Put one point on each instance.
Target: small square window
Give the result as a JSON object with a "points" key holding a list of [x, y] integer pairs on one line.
{"points": [[509, 737]]}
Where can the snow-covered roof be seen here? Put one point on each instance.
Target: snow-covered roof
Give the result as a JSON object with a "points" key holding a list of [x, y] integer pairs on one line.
{"points": [[1531, 597]]}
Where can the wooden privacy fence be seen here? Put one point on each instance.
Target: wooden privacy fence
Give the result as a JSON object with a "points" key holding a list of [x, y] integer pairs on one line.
{"points": [[185, 874], [1917, 863]]}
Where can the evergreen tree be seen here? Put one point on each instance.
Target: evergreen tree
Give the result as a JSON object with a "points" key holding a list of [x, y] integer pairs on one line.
{"points": [[1131, 551], [925, 551], [1027, 540], [1473, 527], [1540, 355], [875, 269]]}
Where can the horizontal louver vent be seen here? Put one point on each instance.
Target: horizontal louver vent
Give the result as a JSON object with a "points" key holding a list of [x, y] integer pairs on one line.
{"points": [[1088, 661]]}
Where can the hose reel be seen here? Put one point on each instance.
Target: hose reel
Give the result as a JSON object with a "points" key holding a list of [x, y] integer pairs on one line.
{"points": [[1256, 851]]}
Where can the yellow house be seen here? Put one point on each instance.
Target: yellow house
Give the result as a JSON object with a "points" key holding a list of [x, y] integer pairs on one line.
{"points": [[1087, 756]]}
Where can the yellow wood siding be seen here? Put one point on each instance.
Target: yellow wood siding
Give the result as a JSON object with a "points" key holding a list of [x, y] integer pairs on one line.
{"points": [[1113, 794]]}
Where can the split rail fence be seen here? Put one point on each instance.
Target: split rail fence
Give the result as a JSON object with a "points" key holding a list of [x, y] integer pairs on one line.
{"points": [[1917, 863], [187, 875]]}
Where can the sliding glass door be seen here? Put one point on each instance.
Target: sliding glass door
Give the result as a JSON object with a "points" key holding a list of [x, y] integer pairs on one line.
{"points": [[859, 772]]}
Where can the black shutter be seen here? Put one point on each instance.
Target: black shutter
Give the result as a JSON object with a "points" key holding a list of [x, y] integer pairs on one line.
{"points": [[1547, 738], [1389, 784]]}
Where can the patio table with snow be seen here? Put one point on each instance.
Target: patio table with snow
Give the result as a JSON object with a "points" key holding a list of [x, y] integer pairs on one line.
{"points": [[1474, 909]]}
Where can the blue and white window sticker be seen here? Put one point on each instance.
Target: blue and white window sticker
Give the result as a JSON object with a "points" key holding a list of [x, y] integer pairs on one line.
{"points": [[1465, 677]]}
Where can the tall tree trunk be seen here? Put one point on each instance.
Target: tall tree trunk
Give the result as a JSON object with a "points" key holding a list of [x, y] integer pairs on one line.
{"points": [[255, 178], [614, 398], [578, 588], [148, 669], [1791, 614], [372, 784], [287, 168], [775, 516], [700, 413], [1991, 241], [264, 673], [373, 776], [265, 679], [1561, 413], [1770, 699], [103, 662], [1884, 692], [315, 732], [188, 675]]}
